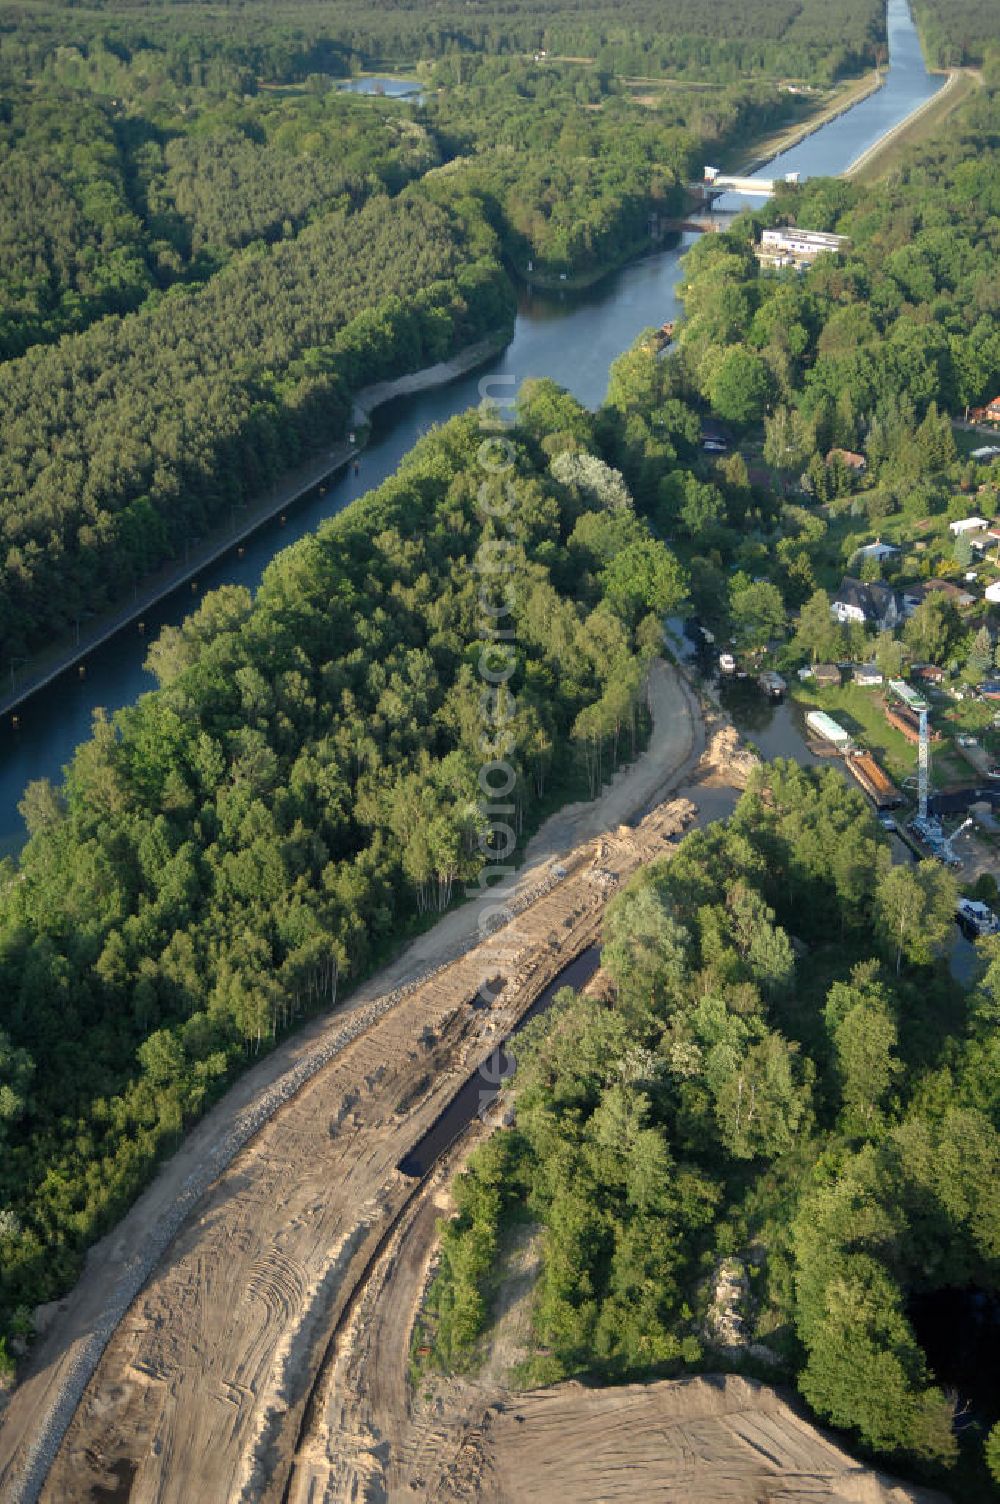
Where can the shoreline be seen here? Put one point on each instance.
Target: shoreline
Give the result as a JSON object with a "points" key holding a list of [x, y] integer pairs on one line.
{"points": [[49, 664], [581, 281], [796, 134], [885, 143]]}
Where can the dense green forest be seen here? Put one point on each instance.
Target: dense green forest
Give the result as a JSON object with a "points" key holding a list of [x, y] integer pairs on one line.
{"points": [[301, 788], [568, 168], [176, 46], [957, 32], [783, 1076], [120, 442], [216, 266], [71, 248]]}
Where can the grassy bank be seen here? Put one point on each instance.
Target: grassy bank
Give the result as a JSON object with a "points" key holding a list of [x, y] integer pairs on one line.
{"points": [[888, 156], [844, 97]]}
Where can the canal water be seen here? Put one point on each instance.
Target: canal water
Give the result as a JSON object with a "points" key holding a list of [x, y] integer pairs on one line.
{"points": [[385, 87], [476, 1095], [570, 336], [833, 148]]}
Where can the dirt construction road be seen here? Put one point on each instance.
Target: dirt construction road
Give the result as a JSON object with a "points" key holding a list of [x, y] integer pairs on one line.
{"points": [[370, 1437], [249, 1245], [244, 1334]]}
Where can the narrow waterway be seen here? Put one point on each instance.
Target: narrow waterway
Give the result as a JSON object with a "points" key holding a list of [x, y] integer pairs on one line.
{"points": [[572, 337], [477, 1095], [832, 149]]}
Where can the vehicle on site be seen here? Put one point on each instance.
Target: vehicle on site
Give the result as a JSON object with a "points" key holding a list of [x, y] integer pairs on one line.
{"points": [[930, 832], [976, 919]]}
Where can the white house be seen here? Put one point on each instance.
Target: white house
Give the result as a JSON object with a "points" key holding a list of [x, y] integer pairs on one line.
{"points": [[877, 550], [875, 605], [968, 525], [867, 674], [789, 240], [992, 593]]}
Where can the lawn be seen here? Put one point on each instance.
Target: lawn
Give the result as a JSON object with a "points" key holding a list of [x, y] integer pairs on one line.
{"points": [[860, 712]]}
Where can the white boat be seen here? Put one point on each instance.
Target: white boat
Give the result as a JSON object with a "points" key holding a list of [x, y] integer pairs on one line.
{"points": [[975, 919]]}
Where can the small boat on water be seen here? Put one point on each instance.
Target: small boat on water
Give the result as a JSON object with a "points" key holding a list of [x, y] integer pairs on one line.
{"points": [[974, 919], [662, 336], [772, 684]]}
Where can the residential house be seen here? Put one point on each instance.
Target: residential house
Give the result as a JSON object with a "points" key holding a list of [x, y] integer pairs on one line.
{"points": [[986, 454], [988, 414], [968, 525], [866, 674], [992, 593], [874, 605], [929, 673], [954, 593], [827, 675], [877, 550]]}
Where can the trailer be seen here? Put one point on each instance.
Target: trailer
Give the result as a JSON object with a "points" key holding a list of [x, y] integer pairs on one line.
{"points": [[876, 784], [827, 729]]}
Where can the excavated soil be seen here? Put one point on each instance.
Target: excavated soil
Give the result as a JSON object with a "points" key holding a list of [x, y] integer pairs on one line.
{"points": [[244, 1333]]}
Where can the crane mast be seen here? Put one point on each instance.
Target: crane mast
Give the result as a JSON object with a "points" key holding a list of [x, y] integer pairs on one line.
{"points": [[923, 765]]}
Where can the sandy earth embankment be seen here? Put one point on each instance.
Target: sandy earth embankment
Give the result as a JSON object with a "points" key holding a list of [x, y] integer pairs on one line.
{"points": [[244, 1333], [370, 1436], [120, 1265]]}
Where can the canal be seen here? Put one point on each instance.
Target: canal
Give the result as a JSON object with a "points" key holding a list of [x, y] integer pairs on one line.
{"points": [[570, 336], [477, 1095]]}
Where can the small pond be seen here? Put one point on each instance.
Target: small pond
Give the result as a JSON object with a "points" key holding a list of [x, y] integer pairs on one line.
{"points": [[959, 1330]]}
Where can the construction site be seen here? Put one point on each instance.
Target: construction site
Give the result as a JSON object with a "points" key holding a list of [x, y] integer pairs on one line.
{"points": [[254, 1309]]}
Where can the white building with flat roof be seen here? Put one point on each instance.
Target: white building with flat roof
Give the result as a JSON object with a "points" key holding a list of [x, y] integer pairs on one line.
{"points": [[789, 240]]}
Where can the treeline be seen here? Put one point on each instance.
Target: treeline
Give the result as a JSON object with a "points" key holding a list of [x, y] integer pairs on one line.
{"points": [[820, 1112], [567, 166], [264, 168], [124, 441], [196, 46], [958, 32], [303, 784], [103, 204]]}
